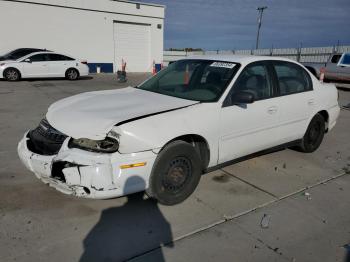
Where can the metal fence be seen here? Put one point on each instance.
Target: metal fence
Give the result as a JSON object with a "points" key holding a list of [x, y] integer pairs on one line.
{"points": [[305, 54]]}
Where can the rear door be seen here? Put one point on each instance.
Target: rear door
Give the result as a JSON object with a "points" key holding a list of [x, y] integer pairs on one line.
{"points": [[297, 101], [58, 64], [37, 66], [249, 128]]}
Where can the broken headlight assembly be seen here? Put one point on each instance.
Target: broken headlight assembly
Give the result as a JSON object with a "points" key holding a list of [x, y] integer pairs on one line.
{"points": [[108, 145]]}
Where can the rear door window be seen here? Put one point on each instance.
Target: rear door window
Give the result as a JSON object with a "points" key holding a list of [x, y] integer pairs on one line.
{"points": [[292, 78], [57, 57]]}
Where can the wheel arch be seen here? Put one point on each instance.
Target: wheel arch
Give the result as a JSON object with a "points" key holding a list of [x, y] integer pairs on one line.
{"points": [[200, 144], [325, 115]]}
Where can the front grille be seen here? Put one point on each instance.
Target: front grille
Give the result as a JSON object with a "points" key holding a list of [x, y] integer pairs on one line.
{"points": [[45, 140]]}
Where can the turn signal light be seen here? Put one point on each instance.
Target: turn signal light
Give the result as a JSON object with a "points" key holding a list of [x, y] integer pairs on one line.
{"points": [[133, 165]]}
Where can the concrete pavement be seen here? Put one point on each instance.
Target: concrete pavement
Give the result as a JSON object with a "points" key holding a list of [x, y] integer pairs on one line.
{"points": [[221, 221], [301, 228]]}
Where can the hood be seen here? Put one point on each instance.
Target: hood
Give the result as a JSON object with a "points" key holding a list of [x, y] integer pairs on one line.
{"points": [[4, 61], [92, 115]]}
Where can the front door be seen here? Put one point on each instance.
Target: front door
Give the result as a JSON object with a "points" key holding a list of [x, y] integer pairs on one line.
{"points": [[36, 66], [249, 128], [332, 67], [344, 67]]}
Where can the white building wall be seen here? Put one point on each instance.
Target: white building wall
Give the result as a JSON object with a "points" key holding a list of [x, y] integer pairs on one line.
{"points": [[84, 31]]}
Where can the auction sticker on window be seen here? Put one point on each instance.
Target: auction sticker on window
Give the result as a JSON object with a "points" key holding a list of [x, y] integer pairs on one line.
{"points": [[223, 64]]}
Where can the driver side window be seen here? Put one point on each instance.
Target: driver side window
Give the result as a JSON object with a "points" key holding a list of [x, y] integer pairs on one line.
{"points": [[255, 79], [38, 58]]}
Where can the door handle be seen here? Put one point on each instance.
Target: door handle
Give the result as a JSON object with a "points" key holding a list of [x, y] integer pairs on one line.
{"points": [[311, 102], [272, 110]]}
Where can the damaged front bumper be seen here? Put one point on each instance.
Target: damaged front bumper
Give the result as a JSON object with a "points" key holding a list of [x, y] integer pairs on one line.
{"points": [[87, 174]]}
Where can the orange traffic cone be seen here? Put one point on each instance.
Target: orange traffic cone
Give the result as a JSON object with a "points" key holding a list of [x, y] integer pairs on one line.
{"points": [[154, 71], [123, 66], [122, 73], [322, 72]]}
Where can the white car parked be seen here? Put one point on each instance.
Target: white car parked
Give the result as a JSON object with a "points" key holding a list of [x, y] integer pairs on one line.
{"points": [[43, 65], [197, 115]]}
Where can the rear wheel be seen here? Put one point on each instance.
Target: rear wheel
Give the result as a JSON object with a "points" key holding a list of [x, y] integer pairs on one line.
{"points": [[12, 74], [72, 74], [175, 174], [314, 135]]}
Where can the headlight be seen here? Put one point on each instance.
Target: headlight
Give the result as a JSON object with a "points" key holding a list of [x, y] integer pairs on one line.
{"points": [[108, 145]]}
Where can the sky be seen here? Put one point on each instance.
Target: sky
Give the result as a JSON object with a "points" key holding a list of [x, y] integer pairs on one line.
{"points": [[232, 24]]}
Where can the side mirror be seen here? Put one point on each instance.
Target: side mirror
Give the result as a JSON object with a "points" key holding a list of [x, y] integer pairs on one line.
{"points": [[27, 60], [243, 97]]}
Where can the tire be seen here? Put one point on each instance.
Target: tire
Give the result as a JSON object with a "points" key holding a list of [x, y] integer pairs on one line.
{"points": [[72, 74], [12, 74], [314, 135], [175, 174]]}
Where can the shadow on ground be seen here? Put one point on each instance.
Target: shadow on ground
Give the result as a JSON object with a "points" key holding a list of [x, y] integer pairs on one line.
{"points": [[49, 79], [128, 231], [56, 78]]}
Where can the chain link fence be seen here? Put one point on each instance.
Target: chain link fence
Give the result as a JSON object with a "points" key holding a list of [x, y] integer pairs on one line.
{"points": [[303, 55]]}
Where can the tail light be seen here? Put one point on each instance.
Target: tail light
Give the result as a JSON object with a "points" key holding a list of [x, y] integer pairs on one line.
{"points": [[84, 62]]}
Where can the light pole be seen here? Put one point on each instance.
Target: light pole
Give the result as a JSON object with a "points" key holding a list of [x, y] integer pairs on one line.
{"points": [[261, 11]]}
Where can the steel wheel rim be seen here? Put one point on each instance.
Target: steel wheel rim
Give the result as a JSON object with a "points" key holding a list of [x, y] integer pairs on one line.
{"points": [[177, 175]]}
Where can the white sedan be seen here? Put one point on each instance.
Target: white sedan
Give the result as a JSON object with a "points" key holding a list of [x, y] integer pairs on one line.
{"points": [[43, 65], [195, 116]]}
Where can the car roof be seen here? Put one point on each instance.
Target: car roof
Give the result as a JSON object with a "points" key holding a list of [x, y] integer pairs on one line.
{"points": [[44, 52], [30, 48], [242, 59]]}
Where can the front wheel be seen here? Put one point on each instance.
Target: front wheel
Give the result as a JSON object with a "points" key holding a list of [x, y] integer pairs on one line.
{"points": [[72, 74], [314, 135], [12, 74], [175, 174]]}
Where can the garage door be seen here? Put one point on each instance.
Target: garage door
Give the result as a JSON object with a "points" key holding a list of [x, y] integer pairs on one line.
{"points": [[132, 43]]}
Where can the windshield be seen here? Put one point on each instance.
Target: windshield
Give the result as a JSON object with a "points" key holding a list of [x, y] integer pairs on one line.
{"points": [[198, 80], [16, 54]]}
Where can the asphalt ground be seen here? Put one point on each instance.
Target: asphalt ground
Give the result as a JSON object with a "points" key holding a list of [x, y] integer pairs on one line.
{"points": [[284, 206]]}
